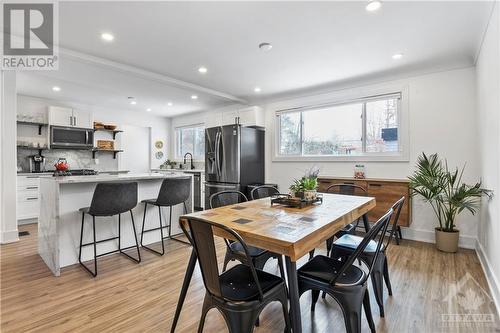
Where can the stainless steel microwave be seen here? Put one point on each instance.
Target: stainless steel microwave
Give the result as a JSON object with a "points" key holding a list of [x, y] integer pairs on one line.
{"points": [[71, 137]]}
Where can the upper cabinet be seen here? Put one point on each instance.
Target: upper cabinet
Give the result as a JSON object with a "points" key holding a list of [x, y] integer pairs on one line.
{"points": [[68, 117], [250, 116]]}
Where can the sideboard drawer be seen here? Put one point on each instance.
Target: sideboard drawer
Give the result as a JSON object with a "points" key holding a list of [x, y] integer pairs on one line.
{"points": [[385, 191]]}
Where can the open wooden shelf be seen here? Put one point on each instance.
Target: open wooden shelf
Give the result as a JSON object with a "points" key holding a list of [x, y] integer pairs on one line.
{"points": [[114, 132], [114, 151], [31, 123]]}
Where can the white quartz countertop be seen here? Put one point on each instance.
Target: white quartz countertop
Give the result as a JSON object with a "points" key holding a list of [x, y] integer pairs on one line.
{"points": [[179, 170], [110, 178]]}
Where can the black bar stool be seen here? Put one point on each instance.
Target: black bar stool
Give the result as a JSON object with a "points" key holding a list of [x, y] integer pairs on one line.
{"points": [[173, 191], [110, 199]]}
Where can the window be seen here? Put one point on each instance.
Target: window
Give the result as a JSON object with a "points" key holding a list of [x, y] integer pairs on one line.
{"points": [[190, 140], [363, 127]]}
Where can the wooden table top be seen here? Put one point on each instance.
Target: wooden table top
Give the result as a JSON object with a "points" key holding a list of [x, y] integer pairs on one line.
{"points": [[289, 231]]}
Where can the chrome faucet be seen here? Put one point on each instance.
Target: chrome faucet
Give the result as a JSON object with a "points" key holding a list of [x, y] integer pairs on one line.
{"points": [[191, 159]]}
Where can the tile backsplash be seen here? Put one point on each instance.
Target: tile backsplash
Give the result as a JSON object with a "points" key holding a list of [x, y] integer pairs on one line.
{"points": [[77, 159]]}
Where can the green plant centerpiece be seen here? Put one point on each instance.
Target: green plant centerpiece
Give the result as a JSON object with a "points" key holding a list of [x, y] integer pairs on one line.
{"points": [[447, 194], [306, 187], [168, 164]]}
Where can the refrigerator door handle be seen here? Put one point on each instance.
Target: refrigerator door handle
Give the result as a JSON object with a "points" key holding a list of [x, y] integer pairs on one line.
{"points": [[216, 161], [221, 154]]}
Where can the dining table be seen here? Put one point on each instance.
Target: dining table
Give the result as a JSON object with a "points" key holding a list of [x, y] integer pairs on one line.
{"points": [[289, 231]]}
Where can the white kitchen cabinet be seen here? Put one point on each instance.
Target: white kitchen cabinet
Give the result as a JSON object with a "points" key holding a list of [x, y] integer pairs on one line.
{"points": [[230, 117], [213, 119], [250, 116], [83, 119], [68, 117], [59, 116], [28, 203]]}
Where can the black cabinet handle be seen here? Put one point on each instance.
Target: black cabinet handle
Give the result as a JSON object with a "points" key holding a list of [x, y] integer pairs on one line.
{"points": [[376, 185], [31, 198], [31, 187]]}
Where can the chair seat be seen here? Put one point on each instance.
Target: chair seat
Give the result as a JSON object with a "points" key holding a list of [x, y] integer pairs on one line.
{"points": [[324, 269], [84, 210], [252, 250], [237, 283], [353, 241], [149, 201]]}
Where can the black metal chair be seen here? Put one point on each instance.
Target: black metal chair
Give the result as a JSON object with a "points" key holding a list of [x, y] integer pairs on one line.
{"points": [[347, 244], [345, 189], [173, 191], [241, 292], [263, 191], [342, 280], [234, 251], [110, 199]]}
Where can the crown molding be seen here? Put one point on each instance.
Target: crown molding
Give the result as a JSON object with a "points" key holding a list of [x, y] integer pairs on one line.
{"points": [[145, 74]]}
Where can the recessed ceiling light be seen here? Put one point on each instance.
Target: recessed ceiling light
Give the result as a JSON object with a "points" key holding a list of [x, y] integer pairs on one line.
{"points": [[265, 46], [131, 100], [373, 5], [256, 89], [194, 97], [148, 109], [397, 56], [56, 88], [107, 36], [202, 70], [170, 103]]}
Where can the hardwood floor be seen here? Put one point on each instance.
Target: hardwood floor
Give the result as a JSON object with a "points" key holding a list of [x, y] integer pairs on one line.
{"points": [[129, 297]]}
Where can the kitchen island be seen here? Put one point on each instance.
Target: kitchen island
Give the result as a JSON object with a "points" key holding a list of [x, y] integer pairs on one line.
{"points": [[60, 221]]}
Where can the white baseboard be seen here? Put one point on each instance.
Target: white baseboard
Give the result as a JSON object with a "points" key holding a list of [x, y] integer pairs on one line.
{"points": [[466, 242], [491, 278], [10, 236]]}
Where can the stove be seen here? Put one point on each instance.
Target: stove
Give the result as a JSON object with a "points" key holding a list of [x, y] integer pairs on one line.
{"points": [[76, 172]]}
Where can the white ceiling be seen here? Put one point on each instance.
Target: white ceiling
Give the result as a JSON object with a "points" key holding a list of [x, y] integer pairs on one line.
{"points": [[315, 44]]}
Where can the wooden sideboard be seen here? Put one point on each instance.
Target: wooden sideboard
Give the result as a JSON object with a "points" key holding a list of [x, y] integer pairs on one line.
{"points": [[385, 191]]}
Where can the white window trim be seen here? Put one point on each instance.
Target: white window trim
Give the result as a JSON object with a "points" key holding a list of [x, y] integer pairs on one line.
{"points": [[403, 155], [181, 158]]}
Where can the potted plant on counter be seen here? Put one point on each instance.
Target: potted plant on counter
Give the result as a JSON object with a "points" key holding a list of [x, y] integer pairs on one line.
{"points": [[448, 196]]}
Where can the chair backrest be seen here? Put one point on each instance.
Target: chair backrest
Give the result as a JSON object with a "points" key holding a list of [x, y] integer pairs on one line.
{"points": [[397, 210], [113, 198], [263, 191], [174, 191], [346, 189], [376, 233], [201, 236], [224, 198]]}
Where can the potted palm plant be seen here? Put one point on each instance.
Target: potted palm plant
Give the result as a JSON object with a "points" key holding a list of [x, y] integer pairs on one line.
{"points": [[448, 196]]}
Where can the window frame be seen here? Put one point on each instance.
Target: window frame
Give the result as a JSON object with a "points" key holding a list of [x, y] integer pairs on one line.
{"points": [[350, 98], [176, 142]]}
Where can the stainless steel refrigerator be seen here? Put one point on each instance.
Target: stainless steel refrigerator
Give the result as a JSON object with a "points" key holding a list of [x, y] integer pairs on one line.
{"points": [[234, 158]]}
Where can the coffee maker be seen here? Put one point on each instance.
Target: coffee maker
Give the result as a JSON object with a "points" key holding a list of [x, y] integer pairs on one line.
{"points": [[37, 163]]}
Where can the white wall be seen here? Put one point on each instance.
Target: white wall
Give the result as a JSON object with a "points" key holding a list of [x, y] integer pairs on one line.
{"points": [[488, 106], [8, 179], [159, 125], [441, 116]]}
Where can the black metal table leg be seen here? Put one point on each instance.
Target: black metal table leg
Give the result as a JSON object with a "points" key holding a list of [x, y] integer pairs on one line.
{"points": [[184, 289], [366, 223], [293, 288]]}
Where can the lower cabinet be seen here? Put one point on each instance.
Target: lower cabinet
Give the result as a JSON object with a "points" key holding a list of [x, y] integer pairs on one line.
{"points": [[385, 191], [28, 201]]}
